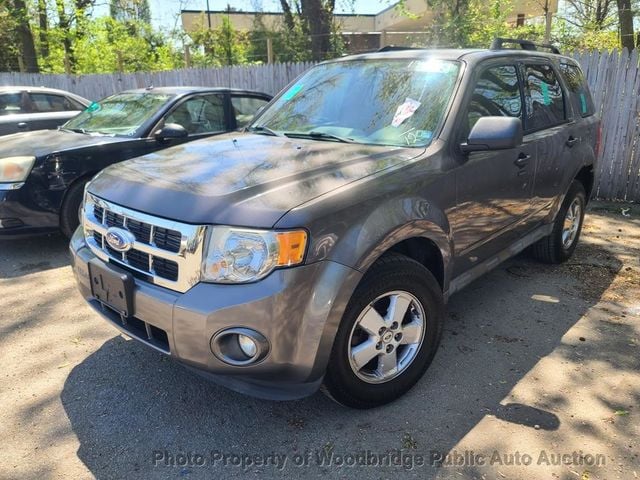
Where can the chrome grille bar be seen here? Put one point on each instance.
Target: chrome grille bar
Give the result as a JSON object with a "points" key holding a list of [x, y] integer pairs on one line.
{"points": [[188, 258]]}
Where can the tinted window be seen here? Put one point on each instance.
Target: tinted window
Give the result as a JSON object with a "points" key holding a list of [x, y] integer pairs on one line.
{"points": [[497, 93], [11, 103], [44, 102], [381, 102], [244, 108], [545, 103], [200, 115], [578, 89]]}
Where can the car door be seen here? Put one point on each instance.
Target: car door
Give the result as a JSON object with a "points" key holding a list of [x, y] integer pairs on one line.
{"points": [[51, 110], [244, 108], [493, 188], [546, 123]]}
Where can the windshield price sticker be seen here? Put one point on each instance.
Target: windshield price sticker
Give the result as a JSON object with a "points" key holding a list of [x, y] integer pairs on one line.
{"points": [[404, 111]]}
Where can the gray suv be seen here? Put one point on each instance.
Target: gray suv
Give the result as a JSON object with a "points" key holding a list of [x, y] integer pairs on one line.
{"points": [[319, 247]]}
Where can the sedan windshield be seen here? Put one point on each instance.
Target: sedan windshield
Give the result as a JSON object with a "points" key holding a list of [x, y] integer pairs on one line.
{"points": [[120, 114], [380, 102]]}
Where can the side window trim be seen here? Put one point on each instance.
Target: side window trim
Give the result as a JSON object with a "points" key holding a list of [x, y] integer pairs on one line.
{"points": [[525, 86]]}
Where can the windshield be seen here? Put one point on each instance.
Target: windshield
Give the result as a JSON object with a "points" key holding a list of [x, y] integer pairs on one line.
{"points": [[381, 102], [120, 114]]}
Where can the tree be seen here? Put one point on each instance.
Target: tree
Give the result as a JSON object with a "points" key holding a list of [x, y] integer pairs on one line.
{"points": [[124, 10], [28, 54], [223, 45], [315, 19], [625, 16]]}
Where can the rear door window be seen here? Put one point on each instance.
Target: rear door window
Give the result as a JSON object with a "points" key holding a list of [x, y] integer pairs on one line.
{"points": [[497, 93], [45, 103], [578, 89], [544, 98]]}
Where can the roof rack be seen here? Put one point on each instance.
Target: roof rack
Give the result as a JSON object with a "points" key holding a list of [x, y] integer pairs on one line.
{"points": [[498, 43]]}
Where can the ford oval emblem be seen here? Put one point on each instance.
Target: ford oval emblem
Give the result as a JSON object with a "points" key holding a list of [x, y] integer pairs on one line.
{"points": [[119, 239]]}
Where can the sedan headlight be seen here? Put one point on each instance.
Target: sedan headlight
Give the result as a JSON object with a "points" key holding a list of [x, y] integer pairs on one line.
{"points": [[15, 169], [238, 255]]}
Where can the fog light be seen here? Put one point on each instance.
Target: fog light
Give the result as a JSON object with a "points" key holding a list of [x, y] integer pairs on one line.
{"points": [[247, 345], [239, 346]]}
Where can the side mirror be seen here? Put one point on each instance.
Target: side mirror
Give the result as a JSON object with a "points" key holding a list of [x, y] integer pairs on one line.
{"points": [[170, 131], [494, 133]]}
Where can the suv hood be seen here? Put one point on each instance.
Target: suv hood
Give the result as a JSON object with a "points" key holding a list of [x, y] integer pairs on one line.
{"points": [[240, 179], [43, 142]]}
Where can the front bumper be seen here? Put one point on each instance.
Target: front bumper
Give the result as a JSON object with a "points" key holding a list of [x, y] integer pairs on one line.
{"points": [[297, 309], [19, 216]]}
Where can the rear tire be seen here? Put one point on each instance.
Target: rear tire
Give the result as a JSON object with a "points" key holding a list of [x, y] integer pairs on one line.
{"points": [[401, 305], [69, 220], [558, 246]]}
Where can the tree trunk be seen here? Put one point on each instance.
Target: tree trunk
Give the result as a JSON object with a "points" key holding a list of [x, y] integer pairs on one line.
{"points": [[28, 49], [317, 15], [44, 28], [65, 25], [625, 16]]}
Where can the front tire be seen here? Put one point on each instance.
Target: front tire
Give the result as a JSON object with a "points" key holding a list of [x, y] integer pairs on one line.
{"points": [[388, 336], [69, 220], [558, 246]]}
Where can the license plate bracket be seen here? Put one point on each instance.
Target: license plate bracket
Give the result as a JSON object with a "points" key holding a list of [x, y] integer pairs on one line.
{"points": [[112, 286]]}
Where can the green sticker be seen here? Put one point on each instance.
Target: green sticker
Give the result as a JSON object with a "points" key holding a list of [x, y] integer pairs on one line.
{"points": [[545, 93], [292, 92], [94, 107], [583, 102]]}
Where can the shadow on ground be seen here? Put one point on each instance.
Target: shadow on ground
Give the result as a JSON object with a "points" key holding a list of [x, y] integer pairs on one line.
{"points": [[129, 405], [31, 255]]}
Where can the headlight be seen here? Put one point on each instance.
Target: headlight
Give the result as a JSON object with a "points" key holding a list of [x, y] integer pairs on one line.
{"points": [[238, 255], [15, 169]]}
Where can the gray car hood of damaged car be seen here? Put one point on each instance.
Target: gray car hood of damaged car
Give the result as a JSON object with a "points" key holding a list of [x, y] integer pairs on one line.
{"points": [[240, 179]]}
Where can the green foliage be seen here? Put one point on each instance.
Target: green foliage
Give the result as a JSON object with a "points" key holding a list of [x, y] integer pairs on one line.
{"points": [[8, 39], [223, 45]]}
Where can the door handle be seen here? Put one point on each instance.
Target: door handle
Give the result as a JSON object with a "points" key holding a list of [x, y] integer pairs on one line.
{"points": [[522, 160], [571, 141], [22, 125]]}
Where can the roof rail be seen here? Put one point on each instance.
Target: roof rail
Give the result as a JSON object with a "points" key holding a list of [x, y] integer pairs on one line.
{"points": [[396, 48], [498, 43]]}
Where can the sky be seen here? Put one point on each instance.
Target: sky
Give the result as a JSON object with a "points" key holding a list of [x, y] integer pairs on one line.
{"points": [[165, 12]]}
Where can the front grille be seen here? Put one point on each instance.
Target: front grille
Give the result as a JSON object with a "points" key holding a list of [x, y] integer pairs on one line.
{"points": [[169, 253]]}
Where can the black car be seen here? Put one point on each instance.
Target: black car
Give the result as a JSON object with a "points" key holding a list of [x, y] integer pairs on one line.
{"points": [[43, 173], [24, 109]]}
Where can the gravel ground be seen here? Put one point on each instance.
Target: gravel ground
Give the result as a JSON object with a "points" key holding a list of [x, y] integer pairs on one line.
{"points": [[537, 362]]}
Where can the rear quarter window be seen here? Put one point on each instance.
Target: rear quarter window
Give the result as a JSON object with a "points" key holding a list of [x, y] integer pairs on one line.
{"points": [[578, 89]]}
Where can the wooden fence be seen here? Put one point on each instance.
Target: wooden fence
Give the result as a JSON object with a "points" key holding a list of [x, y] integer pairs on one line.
{"points": [[614, 78], [265, 78]]}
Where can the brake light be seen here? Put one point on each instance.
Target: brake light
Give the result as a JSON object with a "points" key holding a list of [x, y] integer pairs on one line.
{"points": [[598, 139]]}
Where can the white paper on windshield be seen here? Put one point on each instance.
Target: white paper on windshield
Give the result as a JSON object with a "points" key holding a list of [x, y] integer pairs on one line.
{"points": [[404, 111]]}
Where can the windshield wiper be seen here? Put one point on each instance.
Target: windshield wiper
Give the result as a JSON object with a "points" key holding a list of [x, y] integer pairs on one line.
{"points": [[264, 130], [75, 130], [319, 136]]}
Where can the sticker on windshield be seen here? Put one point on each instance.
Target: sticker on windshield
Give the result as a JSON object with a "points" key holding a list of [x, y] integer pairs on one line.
{"points": [[94, 107], [583, 102], [404, 111], [293, 91]]}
